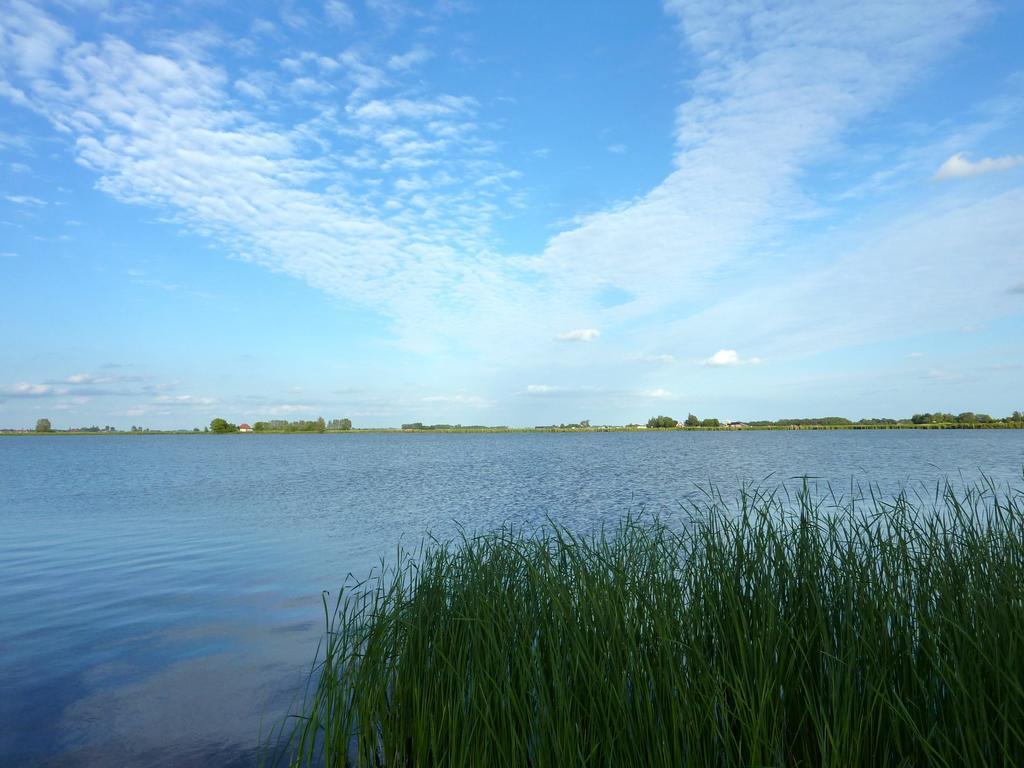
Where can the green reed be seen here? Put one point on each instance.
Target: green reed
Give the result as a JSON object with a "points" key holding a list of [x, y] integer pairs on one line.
{"points": [[768, 630]]}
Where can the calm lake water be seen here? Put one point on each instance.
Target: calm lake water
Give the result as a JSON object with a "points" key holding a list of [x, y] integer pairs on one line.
{"points": [[160, 596]]}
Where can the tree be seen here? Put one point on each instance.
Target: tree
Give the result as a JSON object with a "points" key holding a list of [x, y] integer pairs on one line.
{"points": [[662, 422], [711, 423], [346, 423], [220, 426], [692, 421], [43, 425], [321, 425]]}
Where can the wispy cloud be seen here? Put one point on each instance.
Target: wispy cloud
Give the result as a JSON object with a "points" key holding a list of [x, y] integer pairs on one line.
{"points": [[87, 378], [659, 359], [728, 357], [385, 199], [191, 401], [540, 389], [87, 385], [24, 200], [288, 409], [580, 334], [25, 389], [339, 13], [392, 12], [264, 191], [959, 167], [657, 393], [941, 375], [411, 59]]}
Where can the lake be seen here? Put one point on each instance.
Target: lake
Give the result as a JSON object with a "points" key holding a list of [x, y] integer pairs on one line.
{"points": [[160, 595]]}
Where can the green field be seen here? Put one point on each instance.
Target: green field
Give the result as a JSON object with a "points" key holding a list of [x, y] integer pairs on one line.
{"points": [[759, 630]]}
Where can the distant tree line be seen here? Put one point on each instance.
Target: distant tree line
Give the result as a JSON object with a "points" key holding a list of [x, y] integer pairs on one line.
{"points": [[824, 421], [667, 422], [419, 425], [280, 425], [965, 418], [302, 425], [662, 422], [584, 424]]}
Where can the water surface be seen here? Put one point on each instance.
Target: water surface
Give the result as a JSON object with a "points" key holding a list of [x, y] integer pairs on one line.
{"points": [[160, 595]]}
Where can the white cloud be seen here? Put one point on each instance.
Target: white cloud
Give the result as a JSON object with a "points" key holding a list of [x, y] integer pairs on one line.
{"points": [[185, 400], [776, 87], [162, 131], [31, 40], [938, 249], [411, 59], [390, 11], [724, 357], [421, 109], [580, 334], [730, 357], [662, 359], [658, 393], [540, 389], [959, 167], [940, 375], [24, 200], [250, 89], [349, 202], [288, 409], [25, 389], [617, 149], [339, 13]]}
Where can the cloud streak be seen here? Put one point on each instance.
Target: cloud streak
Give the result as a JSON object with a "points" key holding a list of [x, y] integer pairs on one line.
{"points": [[959, 167], [388, 197], [580, 334], [729, 357]]}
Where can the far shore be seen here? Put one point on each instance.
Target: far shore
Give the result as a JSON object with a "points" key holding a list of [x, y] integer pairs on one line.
{"points": [[517, 430]]}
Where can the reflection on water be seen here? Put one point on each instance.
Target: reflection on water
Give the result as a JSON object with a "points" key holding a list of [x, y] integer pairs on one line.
{"points": [[160, 596]]}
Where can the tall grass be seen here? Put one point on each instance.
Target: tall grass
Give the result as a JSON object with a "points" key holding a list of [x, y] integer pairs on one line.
{"points": [[763, 631]]}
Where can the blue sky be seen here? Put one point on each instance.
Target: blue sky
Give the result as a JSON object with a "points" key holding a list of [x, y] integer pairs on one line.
{"points": [[509, 213]]}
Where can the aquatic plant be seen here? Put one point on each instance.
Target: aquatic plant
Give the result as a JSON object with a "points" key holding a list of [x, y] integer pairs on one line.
{"points": [[766, 630]]}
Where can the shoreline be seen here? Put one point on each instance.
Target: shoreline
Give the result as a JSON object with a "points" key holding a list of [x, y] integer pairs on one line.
{"points": [[529, 430]]}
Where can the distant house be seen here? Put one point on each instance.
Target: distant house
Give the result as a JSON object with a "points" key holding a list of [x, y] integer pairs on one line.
{"points": [[244, 428]]}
